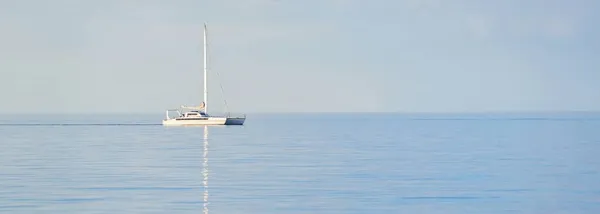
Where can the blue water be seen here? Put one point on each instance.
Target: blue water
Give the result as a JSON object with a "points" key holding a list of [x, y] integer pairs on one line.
{"points": [[302, 163]]}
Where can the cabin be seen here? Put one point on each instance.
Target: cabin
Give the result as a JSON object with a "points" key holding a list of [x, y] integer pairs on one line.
{"points": [[195, 114]]}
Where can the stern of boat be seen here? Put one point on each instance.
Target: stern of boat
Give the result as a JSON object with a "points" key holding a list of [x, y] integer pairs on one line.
{"points": [[235, 119]]}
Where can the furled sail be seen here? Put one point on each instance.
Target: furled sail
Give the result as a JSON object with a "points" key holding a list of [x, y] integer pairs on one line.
{"points": [[200, 107]]}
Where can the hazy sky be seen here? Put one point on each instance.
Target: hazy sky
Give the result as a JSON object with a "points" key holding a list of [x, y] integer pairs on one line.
{"points": [[300, 56]]}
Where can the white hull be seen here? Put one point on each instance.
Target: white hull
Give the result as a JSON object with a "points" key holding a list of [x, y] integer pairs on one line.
{"points": [[207, 121]]}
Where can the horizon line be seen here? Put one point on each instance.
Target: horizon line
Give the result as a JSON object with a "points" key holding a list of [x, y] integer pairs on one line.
{"points": [[322, 112]]}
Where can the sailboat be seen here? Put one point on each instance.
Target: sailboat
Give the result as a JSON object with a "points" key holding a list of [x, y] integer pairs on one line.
{"points": [[197, 115]]}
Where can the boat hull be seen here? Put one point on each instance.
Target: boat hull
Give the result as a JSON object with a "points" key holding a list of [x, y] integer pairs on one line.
{"points": [[203, 122], [235, 121]]}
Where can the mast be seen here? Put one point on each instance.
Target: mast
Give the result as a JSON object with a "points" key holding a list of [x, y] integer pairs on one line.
{"points": [[205, 85]]}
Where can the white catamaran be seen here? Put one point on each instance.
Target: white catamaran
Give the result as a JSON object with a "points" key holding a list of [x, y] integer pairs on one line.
{"points": [[197, 115]]}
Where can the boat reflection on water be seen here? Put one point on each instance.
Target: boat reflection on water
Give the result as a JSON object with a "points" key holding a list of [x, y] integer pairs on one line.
{"points": [[205, 170]]}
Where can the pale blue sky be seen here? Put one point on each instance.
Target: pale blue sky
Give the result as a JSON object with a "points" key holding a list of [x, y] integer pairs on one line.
{"points": [[301, 56]]}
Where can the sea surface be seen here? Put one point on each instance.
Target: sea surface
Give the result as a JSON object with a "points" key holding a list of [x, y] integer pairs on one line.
{"points": [[302, 163]]}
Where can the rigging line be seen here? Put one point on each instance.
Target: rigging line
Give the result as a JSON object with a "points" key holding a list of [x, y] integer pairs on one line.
{"points": [[222, 92], [220, 85]]}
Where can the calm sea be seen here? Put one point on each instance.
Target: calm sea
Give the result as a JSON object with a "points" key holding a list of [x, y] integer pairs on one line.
{"points": [[302, 163]]}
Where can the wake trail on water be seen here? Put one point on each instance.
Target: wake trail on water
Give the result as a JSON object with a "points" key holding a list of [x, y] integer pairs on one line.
{"points": [[80, 124]]}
